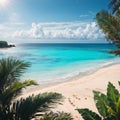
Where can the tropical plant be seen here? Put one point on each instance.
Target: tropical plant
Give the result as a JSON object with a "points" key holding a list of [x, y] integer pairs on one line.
{"points": [[57, 116], [109, 23], [10, 87], [107, 105], [114, 5], [116, 52]]}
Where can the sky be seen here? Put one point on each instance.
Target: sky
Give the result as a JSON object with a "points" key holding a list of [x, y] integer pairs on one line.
{"points": [[48, 21]]}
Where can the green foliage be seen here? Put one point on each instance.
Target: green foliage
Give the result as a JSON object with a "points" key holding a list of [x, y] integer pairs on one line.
{"points": [[110, 25], [10, 87], [57, 116], [29, 107], [3, 44], [101, 102], [10, 71], [113, 97], [116, 52], [107, 105], [109, 22], [114, 5], [88, 114]]}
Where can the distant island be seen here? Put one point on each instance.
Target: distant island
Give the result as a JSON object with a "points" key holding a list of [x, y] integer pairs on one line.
{"points": [[4, 44]]}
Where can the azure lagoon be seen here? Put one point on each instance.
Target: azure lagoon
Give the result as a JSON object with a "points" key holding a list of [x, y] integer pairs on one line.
{"points": [[53, 63]]}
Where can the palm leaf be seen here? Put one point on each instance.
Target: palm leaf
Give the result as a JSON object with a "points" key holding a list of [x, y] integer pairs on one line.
{"points": [[114, 6], [110, 26], [88, 114], [57, 116], [111, 111], [119, 83], [118, 108], [10, 70], [108, 105], [115, 52], [101, 103], [112, 96], [25, 108], [14, 90], [115, 113]]}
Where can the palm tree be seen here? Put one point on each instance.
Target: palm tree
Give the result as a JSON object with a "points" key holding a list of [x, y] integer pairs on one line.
{"points": [[109, 22], [114, 6], [10, 87], [110, 25]]}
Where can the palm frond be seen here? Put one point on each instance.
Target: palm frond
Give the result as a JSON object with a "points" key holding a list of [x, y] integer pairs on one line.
{"points": [[115, 52], [110, 26], [113, 94], [27, 108], [7, 96], [119, 83], [114, 100], [114, 7], [10, 70], [101, 103], [57, 116], [108, 105], [88, 114]]}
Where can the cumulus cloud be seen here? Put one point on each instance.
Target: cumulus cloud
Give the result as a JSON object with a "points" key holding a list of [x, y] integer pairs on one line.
{"points": [[71, 30]]}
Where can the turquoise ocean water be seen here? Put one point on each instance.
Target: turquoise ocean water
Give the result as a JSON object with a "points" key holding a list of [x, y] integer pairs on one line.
{"points": [[51, 63]]}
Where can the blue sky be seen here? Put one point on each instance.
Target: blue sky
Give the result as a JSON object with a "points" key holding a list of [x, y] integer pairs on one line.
{"points": [[50, 20]]}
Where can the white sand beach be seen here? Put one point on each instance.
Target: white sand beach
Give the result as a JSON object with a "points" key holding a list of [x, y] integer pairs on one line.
{"points": [[78, 93]]}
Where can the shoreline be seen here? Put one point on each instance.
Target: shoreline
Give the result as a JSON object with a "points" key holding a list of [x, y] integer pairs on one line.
{"points": [[78, 92], [75, 74]]}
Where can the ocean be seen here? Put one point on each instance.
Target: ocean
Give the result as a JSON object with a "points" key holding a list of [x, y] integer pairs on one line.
{"points": [[53, 63]]}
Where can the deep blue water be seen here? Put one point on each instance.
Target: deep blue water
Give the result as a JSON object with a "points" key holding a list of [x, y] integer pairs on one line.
{"points": [[59, 62]]}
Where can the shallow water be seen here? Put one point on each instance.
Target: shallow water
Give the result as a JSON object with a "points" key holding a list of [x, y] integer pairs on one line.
{"points": [[52, 63]]}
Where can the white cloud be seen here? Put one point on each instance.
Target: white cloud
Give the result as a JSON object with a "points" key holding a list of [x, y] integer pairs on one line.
{"points": [[90, 14], [7, 29], [71, 30]]}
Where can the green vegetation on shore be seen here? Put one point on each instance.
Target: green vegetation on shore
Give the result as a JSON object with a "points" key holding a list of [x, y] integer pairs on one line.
{"points": [[10, 87], [108, 105], [38, 105], [109, 22], [4, 44]]}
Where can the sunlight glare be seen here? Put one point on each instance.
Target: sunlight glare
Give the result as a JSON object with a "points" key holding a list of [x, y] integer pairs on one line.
{"points": [[3, 2]]}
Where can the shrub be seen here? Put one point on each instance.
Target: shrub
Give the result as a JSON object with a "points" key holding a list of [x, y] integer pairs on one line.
{"points": [[107, 105]]}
